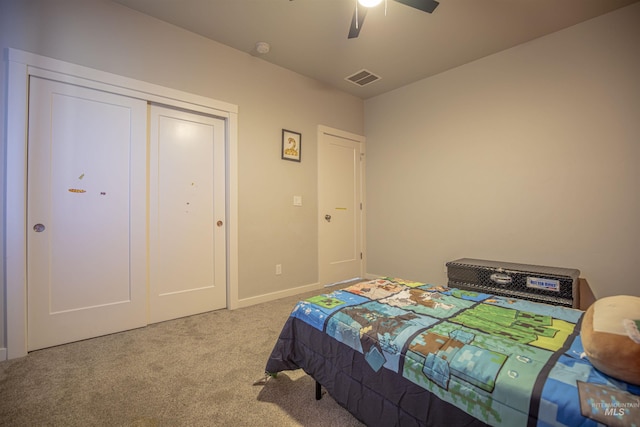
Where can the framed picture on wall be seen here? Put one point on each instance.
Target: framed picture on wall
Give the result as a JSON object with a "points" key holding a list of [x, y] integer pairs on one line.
{"points": [[291, 145]]}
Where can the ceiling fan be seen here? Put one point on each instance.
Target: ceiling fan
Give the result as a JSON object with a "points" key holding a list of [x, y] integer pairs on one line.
{"points": [[359, 13]]}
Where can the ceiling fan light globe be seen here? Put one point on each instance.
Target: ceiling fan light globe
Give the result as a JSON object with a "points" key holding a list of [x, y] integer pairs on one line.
{"points": [[369, 3]]}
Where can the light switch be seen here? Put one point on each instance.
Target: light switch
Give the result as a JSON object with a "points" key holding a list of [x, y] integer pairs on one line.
{"points": [[297, 200]]}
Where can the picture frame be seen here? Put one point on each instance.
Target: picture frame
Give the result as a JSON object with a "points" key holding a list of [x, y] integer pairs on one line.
{"points": [[291, 145]]}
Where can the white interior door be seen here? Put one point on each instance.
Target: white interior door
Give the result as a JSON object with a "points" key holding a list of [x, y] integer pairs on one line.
{"points": [[187, 216], [86, 236], [340, 166]]}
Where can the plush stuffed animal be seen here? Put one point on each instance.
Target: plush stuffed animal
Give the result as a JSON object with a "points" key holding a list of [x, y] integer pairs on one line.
{"points": [[611, 337]]}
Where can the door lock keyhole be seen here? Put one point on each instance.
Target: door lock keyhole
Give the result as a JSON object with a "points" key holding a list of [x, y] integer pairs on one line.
{"points": [[327, 217]]}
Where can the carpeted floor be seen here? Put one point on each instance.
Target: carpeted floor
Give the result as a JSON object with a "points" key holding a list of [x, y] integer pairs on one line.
{"points": [[194, 371]]}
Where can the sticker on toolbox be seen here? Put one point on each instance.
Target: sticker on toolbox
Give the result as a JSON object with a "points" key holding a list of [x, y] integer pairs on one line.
{"points": [[543, 283]]}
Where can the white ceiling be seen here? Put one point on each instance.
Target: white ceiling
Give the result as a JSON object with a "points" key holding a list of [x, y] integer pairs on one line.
{"points": [[406, 45]]}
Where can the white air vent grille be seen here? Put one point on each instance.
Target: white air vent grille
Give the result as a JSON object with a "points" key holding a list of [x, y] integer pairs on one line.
{"points": [[363, 78]]}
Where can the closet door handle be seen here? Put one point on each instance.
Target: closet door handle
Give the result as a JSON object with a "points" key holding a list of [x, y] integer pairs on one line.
{"points": [[39, 228]]}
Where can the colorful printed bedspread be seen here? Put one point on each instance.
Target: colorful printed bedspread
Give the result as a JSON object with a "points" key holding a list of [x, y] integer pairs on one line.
{"points": [[496, 360]]}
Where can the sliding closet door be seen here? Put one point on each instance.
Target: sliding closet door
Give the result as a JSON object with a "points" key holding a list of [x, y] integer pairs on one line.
{"points": [[86, 236], [187, 244]]}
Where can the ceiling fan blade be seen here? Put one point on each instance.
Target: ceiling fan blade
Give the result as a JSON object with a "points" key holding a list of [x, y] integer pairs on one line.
{"points": [[424, 5], [359, 13]]}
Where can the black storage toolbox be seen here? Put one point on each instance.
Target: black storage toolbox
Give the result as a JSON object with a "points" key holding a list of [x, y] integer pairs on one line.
{"points": [[551, 285]]}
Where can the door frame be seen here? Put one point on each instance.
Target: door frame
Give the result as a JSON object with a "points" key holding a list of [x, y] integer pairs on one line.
{"points": [[20, 65], [326, 130]]}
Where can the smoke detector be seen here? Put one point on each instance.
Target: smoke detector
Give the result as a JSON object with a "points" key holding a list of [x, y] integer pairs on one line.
{"points": [[262, 47]]}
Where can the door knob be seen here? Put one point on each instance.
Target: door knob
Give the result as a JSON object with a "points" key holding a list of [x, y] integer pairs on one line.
{"points": [[219, 223], [327, 217], [38, 228]]}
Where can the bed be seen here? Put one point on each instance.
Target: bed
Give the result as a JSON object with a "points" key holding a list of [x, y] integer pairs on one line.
{"points": [[400, 353]]}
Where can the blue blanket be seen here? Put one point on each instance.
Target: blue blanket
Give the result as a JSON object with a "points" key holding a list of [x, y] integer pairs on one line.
{"points": [[502, 361]]}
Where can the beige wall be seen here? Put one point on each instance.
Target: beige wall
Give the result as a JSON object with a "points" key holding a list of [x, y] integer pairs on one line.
{"points": [[110, 37], [531, 155]]}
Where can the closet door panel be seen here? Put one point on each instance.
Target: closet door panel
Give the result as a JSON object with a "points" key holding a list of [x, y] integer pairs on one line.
{"points": [[187, 224], [86, 213]]}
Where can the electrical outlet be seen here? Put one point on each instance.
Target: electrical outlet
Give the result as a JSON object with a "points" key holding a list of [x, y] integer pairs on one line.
{"points": [[278, 269]]}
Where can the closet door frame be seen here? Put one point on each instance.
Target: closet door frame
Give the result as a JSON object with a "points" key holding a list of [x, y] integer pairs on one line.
{"points": [[20, 67]]}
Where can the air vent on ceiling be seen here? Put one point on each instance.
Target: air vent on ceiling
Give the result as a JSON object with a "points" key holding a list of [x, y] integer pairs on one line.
{"points": [[363, 78]]}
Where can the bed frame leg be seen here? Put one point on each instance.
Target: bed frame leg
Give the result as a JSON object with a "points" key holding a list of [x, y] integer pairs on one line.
{"points": [[318, 391]]}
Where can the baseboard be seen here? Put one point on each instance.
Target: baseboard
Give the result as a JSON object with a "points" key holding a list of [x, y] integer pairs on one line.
{"points": [[3, 354], [247, 302], [344, 282]]}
